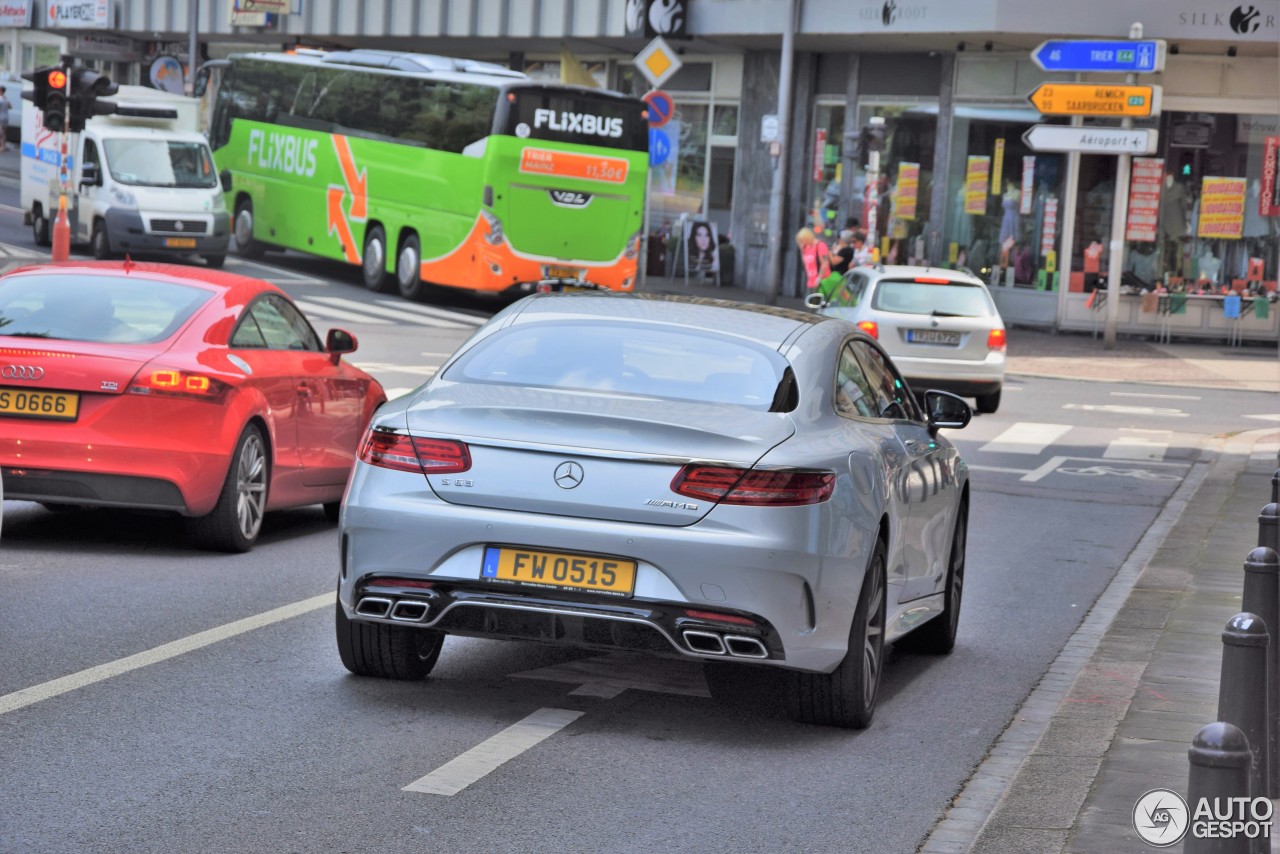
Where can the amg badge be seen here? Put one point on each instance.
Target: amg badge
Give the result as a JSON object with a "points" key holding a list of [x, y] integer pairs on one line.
{"points": [[677, 505]]}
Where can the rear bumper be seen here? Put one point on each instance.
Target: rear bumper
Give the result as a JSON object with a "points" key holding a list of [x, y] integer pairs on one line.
{"points": [[91, 488]]}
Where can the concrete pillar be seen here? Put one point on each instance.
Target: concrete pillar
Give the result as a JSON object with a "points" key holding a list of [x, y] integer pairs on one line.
{"points": [[935, 236]]}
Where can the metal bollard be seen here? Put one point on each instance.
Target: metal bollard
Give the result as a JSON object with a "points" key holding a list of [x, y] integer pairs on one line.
{"points": [[1262, 597], [1275, 484], [1220, 760], [1269, 527], [1242, 700]]}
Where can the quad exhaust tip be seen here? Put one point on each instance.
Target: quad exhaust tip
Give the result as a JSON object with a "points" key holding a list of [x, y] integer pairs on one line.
{"points": [[373, 606], [408, 611], [745, 647], [704, 642]]}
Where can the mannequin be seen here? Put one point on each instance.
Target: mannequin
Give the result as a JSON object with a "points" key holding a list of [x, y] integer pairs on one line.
{"points": [[1173, 224], [1011, 224], [1208, 265]]}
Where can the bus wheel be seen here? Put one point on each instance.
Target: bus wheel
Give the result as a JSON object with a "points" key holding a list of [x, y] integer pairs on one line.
{"points": [[409, 268], [243, 230], [374, 266]]}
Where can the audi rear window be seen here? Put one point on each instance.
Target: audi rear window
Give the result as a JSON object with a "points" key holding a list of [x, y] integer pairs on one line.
{"points": [[638, 360], [100, 309], [951, 299]]}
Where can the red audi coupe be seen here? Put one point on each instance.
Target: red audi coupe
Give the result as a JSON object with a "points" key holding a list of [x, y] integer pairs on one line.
{"points": [[165, 387]]}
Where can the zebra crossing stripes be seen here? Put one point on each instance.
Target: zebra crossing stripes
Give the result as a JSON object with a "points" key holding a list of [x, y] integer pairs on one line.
{"points": [[387, 311], [314, 308], [1026, 437], [1136, 444], [429, 311]]}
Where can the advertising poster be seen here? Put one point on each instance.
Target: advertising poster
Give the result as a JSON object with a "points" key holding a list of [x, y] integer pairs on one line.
{"points": [[1028, 186], [1144, 199], [997, 165], [977, 181], [1269, 201], [819, 152], [1049, 228], [1221, 208], [908, 191]]}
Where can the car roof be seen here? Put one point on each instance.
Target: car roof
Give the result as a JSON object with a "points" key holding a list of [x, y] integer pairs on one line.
{"points": [[234, 287], [770, 326], [904, 271]]}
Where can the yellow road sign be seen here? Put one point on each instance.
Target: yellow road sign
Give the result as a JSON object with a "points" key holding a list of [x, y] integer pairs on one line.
{"points": [[1096, 99]]}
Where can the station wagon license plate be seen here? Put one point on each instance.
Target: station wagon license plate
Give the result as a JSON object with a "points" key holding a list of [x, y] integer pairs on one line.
{"points": [[180, 242], [559, 570], [25, 403], [932, 336]]}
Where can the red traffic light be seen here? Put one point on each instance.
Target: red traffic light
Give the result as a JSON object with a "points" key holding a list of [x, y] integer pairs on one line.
{"points": [[57, 79]]}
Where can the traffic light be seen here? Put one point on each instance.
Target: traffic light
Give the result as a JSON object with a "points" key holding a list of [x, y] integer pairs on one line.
{"points": [[87, 88], [49, 94]]}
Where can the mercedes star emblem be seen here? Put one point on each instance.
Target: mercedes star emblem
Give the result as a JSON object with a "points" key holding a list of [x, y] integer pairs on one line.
{"points": [[568, 475]]}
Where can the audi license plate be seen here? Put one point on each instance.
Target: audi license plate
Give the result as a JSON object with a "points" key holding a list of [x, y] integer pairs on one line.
{"points": [[559, 570], [932, 336], [25, 403], [180, 242]]}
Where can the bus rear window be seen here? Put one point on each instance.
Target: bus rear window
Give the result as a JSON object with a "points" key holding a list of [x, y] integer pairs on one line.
{"points": [[582, 119]]}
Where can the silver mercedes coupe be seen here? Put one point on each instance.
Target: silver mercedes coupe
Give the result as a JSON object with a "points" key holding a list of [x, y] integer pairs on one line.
{"points": [[746, 486]]}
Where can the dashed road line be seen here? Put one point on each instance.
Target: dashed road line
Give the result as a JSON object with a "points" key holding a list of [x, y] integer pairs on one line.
{"points": [[1135, 444], [1119, 409], [1026, 437]]}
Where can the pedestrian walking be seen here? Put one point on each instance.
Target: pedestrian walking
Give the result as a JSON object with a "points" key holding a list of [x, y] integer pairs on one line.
{"points": [[5, 107], [815, 257]]}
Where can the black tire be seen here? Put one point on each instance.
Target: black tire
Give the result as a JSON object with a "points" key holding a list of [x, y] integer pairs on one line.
{"points": [[409, 268], [242, 230], [40, 230], [373, 262], [99, 242], [846, 697], [236, 520], [938, 636], [333, 510], [989, 403], [386, 652], [215, 261]]}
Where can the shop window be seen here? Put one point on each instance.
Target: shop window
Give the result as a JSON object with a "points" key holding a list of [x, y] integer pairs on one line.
{"points": [[726, 120], [901, 196]]}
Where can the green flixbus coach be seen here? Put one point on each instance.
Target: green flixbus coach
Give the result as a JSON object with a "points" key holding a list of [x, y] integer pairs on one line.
{"points": [[423, 168]]}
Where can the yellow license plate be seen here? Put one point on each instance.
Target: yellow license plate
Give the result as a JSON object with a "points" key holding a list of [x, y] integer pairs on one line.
{"points": [[559, 571], [180, 242], [564, 273], [27, 403]]}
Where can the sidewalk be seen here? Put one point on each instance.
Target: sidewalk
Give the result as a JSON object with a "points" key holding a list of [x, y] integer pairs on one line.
{"points": [[1116, 712]]}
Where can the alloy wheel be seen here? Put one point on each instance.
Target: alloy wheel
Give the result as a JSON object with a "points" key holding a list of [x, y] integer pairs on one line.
{"points": [[251, 487]]}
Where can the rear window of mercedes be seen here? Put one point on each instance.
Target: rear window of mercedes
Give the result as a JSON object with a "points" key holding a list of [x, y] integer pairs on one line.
{"points": [[949, 299]]}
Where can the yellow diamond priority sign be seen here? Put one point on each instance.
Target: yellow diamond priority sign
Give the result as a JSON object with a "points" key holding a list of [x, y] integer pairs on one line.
{"points": [[657, 62]]}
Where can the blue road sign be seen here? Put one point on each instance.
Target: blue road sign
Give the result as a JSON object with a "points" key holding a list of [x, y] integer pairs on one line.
{"points": [[1098, 55], [660, 108], [659, 147]]}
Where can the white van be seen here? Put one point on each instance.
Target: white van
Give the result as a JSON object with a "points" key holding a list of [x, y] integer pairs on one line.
{"points": [[141, 181]]}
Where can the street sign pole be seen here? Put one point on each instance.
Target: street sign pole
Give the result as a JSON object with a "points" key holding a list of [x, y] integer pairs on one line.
{"points": [[1115, 269], [773, 283]]}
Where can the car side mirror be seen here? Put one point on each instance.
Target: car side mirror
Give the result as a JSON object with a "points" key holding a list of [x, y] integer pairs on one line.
{"points": [[337, 342], [225, 177], [815, 301], [89, 175], [945, 409]]}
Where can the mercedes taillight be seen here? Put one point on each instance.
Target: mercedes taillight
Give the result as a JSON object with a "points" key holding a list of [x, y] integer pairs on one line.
{"points": [[755, 487]]}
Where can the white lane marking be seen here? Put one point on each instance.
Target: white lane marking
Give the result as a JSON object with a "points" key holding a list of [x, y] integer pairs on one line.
{"points": [[22, 251], [396, 314], [456, 774], [421, 370], [53, 688], [998, 469], [288, 275], [1135, 444], [1159, 396], [623, 670], [12, 208], [1026, 437], [309, 307], [430, 311], [1126, 410], [1264, 417]]}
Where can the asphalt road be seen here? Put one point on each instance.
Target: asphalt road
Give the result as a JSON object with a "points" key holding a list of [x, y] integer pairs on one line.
{"points": [[227, 737]]}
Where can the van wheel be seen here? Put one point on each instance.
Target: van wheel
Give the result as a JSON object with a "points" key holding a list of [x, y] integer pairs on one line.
{"points": [[988, 403], [101, 245], [39, 229], [409, 268], [374, 266], [242, 231]]}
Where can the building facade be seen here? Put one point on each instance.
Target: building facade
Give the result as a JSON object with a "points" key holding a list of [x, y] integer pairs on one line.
{"points": [[957, 184]]}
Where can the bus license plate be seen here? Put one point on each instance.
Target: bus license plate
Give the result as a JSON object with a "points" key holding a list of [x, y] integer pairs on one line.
{"points": [[559, 570], [25, 403], [932, 336], [180, 242], [574, 273]]}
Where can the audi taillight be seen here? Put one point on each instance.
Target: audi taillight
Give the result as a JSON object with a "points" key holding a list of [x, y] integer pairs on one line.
{"points": [[755, 487], [996, 339], [416, 454], [177, 383], [869, 327]]}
